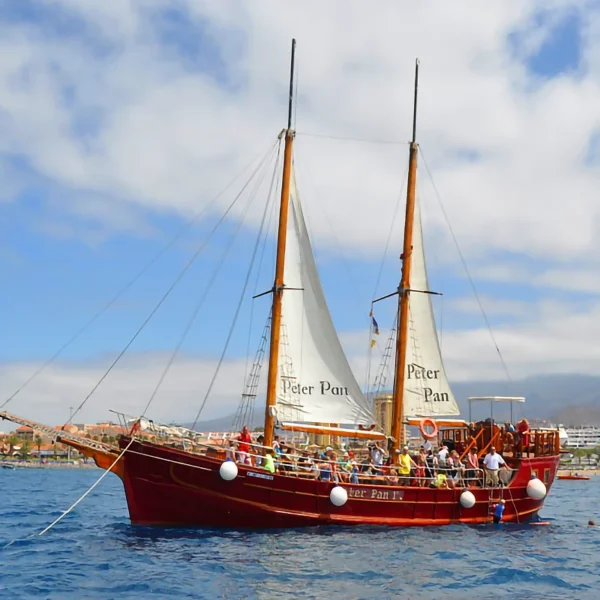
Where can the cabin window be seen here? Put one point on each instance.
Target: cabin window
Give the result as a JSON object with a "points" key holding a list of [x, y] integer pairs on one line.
{"points": [[546, 476]]}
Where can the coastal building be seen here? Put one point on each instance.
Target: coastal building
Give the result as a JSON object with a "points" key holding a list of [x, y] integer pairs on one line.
{"points": [[25, 433], [586, 436], [383, 407]]}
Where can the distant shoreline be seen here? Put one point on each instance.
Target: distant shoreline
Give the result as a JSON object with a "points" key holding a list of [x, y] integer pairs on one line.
{"points": [[38, 465]]}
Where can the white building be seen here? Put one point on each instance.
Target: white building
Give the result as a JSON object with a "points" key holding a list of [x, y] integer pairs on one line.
{"points": [[583, 437]]}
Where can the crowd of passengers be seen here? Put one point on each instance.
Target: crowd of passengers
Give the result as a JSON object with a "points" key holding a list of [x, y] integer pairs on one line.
{"points": [[429, 467]]}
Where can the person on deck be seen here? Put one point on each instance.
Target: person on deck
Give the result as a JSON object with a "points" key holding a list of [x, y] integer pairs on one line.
{"points": [[404, 466], [259, 458], [276, 446], [354, 474], [492, 462], [431, 465], [269, 462], [230, 452], [498, 511], [245, 439], [456, 469], [420, 471], [377, 454], [325, 471], [472, 474], [443, 456], [523, 429]]}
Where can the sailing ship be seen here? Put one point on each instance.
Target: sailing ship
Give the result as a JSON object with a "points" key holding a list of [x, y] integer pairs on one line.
{"points": [[311, 388]]}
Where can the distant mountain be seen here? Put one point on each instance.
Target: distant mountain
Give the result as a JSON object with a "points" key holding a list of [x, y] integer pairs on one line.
{"points": [[566, 399], [581, 414], [225, 423]]}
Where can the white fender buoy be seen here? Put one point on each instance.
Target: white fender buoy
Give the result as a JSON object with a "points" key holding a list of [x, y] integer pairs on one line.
{"points": [[467, 499], [228, 470], [536, 489], [338, 496]]}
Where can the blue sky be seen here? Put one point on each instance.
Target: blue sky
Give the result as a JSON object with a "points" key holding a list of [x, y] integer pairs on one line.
{"points": [[103, 162]]}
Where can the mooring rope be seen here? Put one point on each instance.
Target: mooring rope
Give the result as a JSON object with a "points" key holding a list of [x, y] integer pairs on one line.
{"points": [[88, 491]]}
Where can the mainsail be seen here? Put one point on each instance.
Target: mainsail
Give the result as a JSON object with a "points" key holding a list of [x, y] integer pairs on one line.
{"points": [[315, 382], [426, 392]]}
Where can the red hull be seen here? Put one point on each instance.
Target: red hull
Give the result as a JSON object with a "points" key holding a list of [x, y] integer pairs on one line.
{"points": [[166, 487], [574, 477]]}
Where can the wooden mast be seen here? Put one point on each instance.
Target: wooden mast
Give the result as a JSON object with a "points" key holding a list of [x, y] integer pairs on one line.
{"points": [[404, 289], [278, 286]]}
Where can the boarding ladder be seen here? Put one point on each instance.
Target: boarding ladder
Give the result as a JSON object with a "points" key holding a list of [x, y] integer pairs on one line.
{"points": [[245, 411]]}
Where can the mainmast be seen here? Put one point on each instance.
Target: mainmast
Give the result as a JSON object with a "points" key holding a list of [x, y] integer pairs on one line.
{"points": [[404, 289], [278, 286]]}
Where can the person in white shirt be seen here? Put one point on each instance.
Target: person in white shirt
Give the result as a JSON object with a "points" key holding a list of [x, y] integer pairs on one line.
{"points": [[377, 454], [443, 455], [492, 463]]}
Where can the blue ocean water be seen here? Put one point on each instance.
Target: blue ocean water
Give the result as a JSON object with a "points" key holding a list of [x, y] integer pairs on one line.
{"points": [[95, 553]]}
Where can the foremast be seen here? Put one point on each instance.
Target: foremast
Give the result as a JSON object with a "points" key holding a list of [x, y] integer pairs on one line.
{"points": [[279, 285], [404, 288]]}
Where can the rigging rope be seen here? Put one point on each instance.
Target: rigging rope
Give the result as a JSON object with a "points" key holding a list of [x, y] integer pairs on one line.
{"points": [[207, 289], [378, 280], [464, 263], [390, 232], [237, 312], [275, 182], [171, 288], [132, 282], [88, 491]]}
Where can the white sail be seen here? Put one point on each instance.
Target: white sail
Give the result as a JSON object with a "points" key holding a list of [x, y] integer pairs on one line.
{"points": [[426, 390], [315, 382]]}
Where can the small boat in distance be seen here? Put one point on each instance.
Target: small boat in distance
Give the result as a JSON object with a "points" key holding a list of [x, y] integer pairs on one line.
{"points": [[574, 477]]}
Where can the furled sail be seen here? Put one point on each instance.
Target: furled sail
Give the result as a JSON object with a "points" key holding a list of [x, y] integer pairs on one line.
{"points": [[315, 382], [427, 391]]}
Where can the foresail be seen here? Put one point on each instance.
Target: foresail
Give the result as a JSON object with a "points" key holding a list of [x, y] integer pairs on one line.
{"points": [[426, 391], [315, 382]]}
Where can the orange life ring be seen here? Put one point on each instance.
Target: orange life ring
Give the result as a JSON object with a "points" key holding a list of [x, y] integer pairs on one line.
{"points": [[428, 423]]}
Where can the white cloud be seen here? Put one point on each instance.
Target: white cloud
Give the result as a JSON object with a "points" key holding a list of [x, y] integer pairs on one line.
{"points": [[121, 119], [555, 338], [127, 389], [573, 280], [165, 133], [494, 307], [561, 339]]}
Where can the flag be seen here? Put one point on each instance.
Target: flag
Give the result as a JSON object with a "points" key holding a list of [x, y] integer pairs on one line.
{"points": [[373, 343], [375, 326]]}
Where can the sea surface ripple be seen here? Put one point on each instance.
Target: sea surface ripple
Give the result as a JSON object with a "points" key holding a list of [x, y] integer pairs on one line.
{"points": [[95, 553]]}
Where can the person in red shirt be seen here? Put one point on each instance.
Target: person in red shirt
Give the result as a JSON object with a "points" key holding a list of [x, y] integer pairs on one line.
{"points": [[245, 439], [523, 429]]}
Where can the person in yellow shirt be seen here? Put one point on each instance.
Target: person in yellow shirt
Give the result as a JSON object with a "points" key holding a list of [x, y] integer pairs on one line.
{"points": [[269, 463], [404, 466]]}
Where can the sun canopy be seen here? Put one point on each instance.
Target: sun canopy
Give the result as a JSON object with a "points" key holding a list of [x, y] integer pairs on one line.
{"points": [[519, 399], [492, 399]]}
